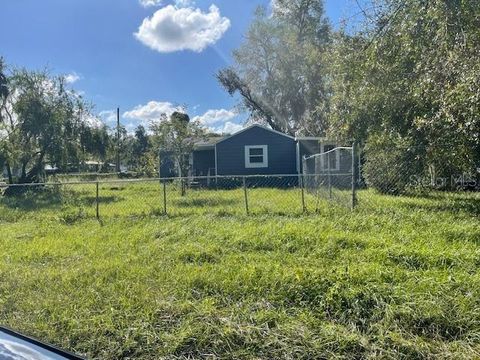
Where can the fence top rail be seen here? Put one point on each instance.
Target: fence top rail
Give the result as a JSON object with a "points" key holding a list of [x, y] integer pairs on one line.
{"points": [[87, 174], [143, 180], [90, 182], [233, 176], [326, 173], [328, 152]]}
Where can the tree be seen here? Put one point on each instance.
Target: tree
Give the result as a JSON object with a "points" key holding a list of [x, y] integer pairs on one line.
{"points": [[413, 74], [95, 141], [139, 153], [307, 17], [176, 137], [4, 117], [40, 123], [392, 163], [4, 91], [279, 70], [141, 142]]}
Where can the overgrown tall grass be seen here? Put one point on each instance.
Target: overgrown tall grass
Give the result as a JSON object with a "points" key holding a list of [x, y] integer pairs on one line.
{"points": [[396, 278]]}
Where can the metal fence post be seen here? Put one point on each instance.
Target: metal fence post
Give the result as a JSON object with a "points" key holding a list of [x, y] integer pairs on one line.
{"points": [[97, 201], [302, 186], [354, 179], [329, 178], [165, 197], [245, 194]]}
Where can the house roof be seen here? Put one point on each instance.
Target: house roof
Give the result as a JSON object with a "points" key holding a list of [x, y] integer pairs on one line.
{"points": [[252, 126], [208, 143], [311, 138]]}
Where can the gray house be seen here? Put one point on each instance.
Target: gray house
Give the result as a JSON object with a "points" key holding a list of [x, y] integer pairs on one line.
{"points": [[255, 150]]}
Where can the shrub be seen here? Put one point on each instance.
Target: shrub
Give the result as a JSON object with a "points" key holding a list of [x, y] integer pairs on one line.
{"points": [[391, 163]]}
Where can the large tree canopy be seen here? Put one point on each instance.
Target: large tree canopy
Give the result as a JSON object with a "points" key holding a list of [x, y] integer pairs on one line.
{"points": [[176, 135], [409, 76], [41, 121], [279, 70], [416, 74]]}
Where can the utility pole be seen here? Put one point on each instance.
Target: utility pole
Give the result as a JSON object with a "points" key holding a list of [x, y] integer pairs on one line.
{"points": [[117, 167]]}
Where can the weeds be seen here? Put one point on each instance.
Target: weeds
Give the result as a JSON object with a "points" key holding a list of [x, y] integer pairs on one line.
{"points": [[394, 280]]}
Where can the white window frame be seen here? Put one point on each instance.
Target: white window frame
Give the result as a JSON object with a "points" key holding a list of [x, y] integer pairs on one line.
{"points": [[325, 164], [263, 164]]}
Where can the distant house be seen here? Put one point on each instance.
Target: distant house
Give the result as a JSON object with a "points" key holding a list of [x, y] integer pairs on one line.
{"points": [[93, 166], [50, 169], [255, 150]]}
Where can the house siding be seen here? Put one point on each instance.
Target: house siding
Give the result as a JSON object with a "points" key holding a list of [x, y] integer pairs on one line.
{"points": [[282, 153], [203, 161]]}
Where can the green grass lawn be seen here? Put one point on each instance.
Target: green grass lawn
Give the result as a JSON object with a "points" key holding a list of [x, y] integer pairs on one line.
{"points": [[396, 278]]}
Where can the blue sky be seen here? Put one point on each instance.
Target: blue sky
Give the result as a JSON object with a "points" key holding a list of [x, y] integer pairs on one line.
{"points": [[129, 53]]}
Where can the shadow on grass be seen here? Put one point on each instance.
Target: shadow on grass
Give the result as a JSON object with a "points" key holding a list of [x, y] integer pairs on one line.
{"points": [[448, 202], [205, 202], [45, 199], [91, 200], [33, 200], [463, 236]]}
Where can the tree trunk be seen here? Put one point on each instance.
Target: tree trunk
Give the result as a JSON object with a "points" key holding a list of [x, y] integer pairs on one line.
{"points": [[23, 175], [35, 172], [9, 173]]}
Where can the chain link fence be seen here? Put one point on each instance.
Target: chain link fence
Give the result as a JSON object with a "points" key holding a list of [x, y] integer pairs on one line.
{"points": [[331, 184], [330, 176], [415, 178], [232, 195]]}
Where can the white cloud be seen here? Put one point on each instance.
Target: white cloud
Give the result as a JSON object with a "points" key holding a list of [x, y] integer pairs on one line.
{"points": [[230, 128], [178, 3], [94, 121], [215, 120], [148, 3], [131, 127], [108, 116], [184, 3], [72, 78], [173, 29], [151, 111], [219, 121], [212, 117]]}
